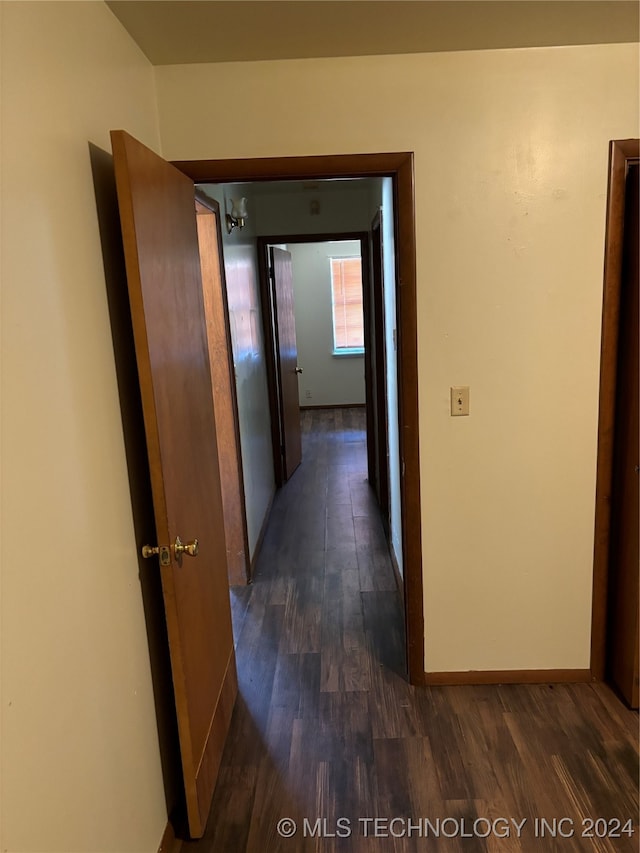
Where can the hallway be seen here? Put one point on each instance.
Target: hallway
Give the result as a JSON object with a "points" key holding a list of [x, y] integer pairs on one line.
{"points": [[325, 725]]}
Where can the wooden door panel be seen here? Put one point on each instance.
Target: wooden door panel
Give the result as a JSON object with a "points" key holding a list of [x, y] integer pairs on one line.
{"points": [[224, 398], [624, 555], [158, 222], [287, 358]]}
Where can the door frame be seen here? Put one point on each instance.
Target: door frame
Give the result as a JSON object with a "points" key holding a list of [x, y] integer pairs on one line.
{"points": [[267, 298], [621, 154], [379, 372], [399, 166]]}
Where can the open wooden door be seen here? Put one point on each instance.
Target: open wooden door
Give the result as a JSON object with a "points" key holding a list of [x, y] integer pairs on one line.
{"points": [[624, 562], [286, 359], [225, 405], [157, 211]]}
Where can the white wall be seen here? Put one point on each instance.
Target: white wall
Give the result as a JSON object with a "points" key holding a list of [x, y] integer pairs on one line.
{"points": [[510, 182], [80, 759], [329, 379], [391, 350]]}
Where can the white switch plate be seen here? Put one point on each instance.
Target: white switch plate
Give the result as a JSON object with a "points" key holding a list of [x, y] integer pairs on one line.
{"points": [[459, 400]]}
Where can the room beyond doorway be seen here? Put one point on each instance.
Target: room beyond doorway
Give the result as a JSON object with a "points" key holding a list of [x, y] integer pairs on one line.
{"points": [[335, 380], [398, 167]]}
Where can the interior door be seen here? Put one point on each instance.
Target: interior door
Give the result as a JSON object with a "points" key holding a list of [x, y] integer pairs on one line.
{"points": [[158, 221], [625, 509], [286, 358], [224, 387]]}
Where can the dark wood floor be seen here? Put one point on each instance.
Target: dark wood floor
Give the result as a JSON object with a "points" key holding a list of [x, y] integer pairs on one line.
{"points": [[326, 725]]}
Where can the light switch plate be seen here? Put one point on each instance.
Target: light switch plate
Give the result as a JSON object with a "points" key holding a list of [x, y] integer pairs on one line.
{"points": [[459, 400]]}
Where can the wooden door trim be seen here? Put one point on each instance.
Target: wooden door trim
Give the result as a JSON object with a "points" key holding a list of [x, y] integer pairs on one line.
{"points": [[268, 333], [280, 290], [367, 286], [621, 154], [383, 478], [508, 676], [296, 168], [399, 167], [210, 203]]}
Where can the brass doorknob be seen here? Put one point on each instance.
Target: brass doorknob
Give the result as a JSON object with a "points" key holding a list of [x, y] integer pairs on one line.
{"points": [[180, 548], [189, 548], [157, 550], [298, 370]]}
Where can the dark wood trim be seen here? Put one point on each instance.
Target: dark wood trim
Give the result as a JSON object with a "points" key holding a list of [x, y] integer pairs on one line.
{"points": [[169, 843], [334, 406], [326, 237], [369, 380], [398, 166], [508, 676], [621, 154], [407, 341], [261, 535], [280, 334], [269, 332], [295, 168]]}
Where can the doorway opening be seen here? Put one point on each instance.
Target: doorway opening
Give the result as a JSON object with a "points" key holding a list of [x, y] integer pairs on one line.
{"points": [[326, 376], [399, 168], [348, 350]]}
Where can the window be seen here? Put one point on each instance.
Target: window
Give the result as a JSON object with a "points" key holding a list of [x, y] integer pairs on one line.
{"points": [[346, 292]]}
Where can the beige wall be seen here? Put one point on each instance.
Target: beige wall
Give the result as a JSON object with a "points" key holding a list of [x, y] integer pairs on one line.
{"points": [[510, 160], [80, 760], [510, 190]]}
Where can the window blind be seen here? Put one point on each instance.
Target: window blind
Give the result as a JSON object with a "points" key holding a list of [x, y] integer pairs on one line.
{"points": [[346, 279]]}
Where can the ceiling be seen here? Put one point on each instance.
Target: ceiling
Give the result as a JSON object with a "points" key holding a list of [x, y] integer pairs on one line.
{"points": [[188, 31]]}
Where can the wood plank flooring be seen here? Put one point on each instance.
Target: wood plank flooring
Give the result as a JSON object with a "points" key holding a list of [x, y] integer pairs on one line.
{"points": [[326, 726]]}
